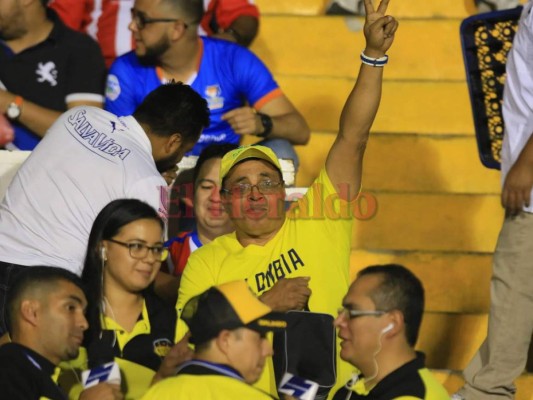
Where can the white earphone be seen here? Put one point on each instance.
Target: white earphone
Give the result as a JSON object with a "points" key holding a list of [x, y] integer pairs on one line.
{"points": [[103, 253], [388, 328]]}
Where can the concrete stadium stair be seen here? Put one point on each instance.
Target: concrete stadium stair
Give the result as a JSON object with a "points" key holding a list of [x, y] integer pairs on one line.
{"points": [[404, 9], [293, 7], [442, 273], [419, 163], [330, 46], [438, 210], [421, 107], [431, 222]]}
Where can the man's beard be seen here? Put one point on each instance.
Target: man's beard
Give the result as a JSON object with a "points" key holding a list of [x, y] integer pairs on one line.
{"points": [[153, 53], [13, 27], [7, 35], [166, 163]]}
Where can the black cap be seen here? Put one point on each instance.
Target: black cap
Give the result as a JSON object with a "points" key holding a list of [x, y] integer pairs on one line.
{"points": [[228, 306]]}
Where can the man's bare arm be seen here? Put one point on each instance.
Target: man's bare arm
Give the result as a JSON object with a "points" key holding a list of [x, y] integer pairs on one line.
{"points": [[287, 122], [36, 118], [518, 183], [288, 294], [345, 159]]}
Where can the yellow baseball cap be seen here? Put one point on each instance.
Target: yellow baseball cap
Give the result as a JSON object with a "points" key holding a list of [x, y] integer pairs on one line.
{"points": [[229, 306], [244, 152]]}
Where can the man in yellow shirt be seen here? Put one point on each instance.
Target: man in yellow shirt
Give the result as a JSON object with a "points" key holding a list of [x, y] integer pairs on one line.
{"points": [[298, 258], [228, 326]]}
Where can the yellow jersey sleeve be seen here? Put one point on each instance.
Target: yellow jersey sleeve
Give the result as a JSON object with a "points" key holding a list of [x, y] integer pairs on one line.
{"points": [[197, 277]]}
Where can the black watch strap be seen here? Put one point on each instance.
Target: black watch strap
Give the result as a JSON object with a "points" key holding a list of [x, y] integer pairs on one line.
{"points": [[266, 121]]}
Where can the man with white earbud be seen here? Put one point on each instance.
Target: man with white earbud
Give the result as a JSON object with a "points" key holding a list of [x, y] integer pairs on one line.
{"points": [[378, 326]]}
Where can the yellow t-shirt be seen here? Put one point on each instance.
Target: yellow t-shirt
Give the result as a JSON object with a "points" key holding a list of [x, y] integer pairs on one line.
{"points": [[314, 241], [205, 387]]}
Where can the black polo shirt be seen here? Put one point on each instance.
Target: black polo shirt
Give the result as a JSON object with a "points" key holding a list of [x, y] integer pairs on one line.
{"points": [[147, 349], [412, 379], [67, 66], [26, 375]]}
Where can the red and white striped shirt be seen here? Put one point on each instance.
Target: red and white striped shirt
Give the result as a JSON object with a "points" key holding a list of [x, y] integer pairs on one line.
{"points": [[107, 20]]}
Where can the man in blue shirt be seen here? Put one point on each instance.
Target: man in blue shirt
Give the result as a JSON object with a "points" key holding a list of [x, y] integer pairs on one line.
{"points": [[241, 93]]}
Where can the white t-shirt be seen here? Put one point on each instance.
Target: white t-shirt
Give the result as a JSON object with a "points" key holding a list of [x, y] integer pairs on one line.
{"points": [[88, 158], [518, 95]]}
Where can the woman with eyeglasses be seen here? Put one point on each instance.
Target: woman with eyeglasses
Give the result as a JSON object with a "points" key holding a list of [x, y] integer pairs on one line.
{"points": [[128, 323]]}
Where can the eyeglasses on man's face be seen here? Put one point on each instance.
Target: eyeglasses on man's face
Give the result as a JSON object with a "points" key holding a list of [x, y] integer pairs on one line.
{"points": [[141, 20], [139, 251], [351, 314], [243, 189]]}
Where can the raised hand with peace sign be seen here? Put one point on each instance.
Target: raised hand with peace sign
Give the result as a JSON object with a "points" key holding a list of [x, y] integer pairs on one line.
{"points": [[345, 160], [379, 29]]}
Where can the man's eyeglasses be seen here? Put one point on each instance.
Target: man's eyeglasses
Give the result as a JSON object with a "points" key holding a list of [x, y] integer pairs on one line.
{"points": [[142, 20], [351, 314], [140, 251], [242, 189]]}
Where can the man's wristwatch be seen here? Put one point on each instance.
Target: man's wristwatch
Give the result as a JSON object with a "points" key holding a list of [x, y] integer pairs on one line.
{"points": [[266, 121], [14, 108]]}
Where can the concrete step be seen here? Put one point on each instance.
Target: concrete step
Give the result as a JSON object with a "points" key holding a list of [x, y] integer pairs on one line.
{"points": [[399, 8], [330, 47], [454, 282], [420, 107], [453, 380], [432, 9], [427, 222], [409, 163], [451, 340], [293, 7]]}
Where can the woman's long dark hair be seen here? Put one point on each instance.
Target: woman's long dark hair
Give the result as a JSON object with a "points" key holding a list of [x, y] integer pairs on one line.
{"points": [[107, 224]]}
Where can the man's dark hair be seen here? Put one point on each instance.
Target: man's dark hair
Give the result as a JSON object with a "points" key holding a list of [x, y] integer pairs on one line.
{"points": [[174, 108], [192, 10], [39, 278], [215, 150], [401, 290]]}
